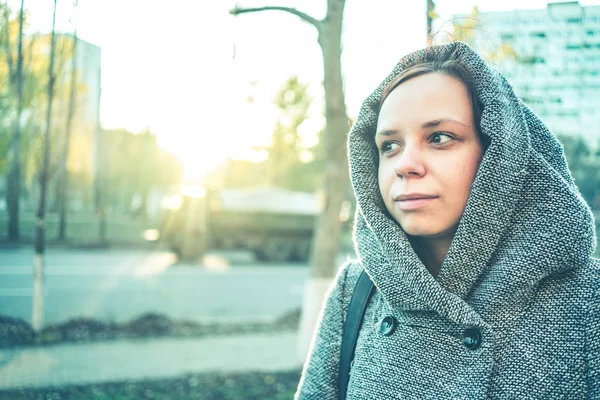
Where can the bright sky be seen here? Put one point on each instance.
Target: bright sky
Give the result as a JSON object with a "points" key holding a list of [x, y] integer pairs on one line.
{"points": [[171, 67]]}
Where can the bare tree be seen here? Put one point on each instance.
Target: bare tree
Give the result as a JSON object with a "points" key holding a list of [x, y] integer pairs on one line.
{"points": [[38, 275], [63, 179], [13, 190], [429, 18], [100, 179], [326, 241]]}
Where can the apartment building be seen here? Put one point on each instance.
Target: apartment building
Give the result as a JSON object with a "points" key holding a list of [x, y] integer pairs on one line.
{"points": [[552, 58]]}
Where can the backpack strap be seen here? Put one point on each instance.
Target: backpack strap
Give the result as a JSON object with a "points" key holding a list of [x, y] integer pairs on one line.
{"points": [[356, 312]]}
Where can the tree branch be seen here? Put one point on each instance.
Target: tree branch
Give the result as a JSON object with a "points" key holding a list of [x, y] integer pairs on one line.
{"points": [[7, 48], [313, 21]]}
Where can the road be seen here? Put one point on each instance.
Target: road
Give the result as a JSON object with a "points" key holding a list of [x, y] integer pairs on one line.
{"points": [[118, 285]]}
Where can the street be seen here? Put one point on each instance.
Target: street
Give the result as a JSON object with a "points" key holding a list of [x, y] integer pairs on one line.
{"points": [[118, 285]]}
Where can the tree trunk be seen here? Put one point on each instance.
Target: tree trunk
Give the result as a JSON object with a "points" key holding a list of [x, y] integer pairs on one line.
{"points": [[100, 187], [63, 183], [13, 189], [326, 243], [38, 277], [326, 240], [327, 235]]}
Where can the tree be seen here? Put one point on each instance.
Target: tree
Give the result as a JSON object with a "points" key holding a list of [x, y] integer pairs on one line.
{"points": [[22, 108], [38, 278], [290, 161], [293, 161], [584, 165], [470, 30], [63, 178], [13, 192], [326, 240], [64, 95], [431, 15], [134, 164], [464, 29]]}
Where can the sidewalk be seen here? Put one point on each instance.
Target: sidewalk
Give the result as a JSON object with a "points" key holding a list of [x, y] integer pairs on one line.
{"points": [[141, 359]]}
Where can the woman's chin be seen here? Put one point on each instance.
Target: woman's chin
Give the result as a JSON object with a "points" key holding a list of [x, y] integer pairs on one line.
{"points": [[429, 232]]}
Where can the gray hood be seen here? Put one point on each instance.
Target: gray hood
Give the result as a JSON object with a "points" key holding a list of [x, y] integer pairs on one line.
{"points": [[524, 221]]}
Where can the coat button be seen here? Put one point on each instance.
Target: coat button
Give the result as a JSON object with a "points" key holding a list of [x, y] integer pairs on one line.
{"points": [[388, 325], [472, 338]]}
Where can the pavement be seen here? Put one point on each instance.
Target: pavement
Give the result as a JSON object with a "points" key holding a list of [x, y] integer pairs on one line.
{"points": [[122, 360], [118, 285]]}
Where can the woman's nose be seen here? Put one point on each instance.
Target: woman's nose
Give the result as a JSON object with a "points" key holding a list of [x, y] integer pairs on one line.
{"points": [[409, 163]]}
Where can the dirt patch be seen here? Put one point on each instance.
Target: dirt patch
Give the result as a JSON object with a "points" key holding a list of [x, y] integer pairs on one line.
{"points": [[248, 386], [16, 332]]}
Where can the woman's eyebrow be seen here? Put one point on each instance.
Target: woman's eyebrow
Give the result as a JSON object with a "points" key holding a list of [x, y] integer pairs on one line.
{"points": [[426, 125], [387, 132], [436, 122]]}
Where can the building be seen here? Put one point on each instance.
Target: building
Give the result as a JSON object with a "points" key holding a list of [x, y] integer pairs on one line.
{"points": [[88, 65], [552, 59], [85, 131]]}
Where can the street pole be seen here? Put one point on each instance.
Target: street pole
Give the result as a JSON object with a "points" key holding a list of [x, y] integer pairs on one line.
{"points": [[38, 272]]}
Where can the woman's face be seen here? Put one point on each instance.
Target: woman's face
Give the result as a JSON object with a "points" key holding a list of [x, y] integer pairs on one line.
{"points": [[429, 152]]}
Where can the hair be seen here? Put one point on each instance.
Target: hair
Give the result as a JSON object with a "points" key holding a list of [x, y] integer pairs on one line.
{"points": [[451, 67]]}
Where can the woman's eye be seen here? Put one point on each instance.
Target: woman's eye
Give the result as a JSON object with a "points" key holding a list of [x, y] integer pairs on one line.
{"points": [[387, 147], [440, 138]]}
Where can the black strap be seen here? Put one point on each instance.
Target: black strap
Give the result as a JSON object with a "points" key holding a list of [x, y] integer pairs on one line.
{"points": [[356, 312]]}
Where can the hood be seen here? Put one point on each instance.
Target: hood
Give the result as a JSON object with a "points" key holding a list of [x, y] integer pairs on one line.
{"points": [[524, 221]]}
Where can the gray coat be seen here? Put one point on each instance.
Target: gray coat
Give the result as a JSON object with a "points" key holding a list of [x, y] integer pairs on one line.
{"points": [[515, 310]]}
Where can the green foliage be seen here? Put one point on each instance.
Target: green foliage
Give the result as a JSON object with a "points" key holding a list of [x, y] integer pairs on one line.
{"points": [[470, 30], [464, 29], [4, 141], [134, 164], [285, 150], [291, 163], [35, 80]]}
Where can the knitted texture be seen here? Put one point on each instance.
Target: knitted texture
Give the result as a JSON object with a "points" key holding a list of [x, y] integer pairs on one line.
{"points": [[519, 272]]}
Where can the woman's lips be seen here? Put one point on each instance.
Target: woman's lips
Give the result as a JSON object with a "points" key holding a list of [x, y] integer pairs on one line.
{"points": [[414, 203]]}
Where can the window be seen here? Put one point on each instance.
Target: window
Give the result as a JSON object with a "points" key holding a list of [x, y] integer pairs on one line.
{"points": [[592, 19], [533, 60]]}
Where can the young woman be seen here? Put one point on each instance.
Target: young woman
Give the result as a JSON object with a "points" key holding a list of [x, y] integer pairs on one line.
{"points": [[476, 239]]}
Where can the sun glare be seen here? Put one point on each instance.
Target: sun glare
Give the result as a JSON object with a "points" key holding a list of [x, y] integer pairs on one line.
{"points": [[222, 137]]}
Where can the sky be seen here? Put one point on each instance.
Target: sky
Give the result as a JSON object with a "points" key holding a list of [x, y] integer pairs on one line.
{"points": [[185, 69]]}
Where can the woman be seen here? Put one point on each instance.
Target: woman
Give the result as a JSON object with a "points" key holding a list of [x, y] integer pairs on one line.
{"points": [[478, 243]]}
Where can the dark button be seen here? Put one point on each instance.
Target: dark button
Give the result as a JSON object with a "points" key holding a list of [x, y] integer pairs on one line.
{"points": [[472, 338], [388, 325]]}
